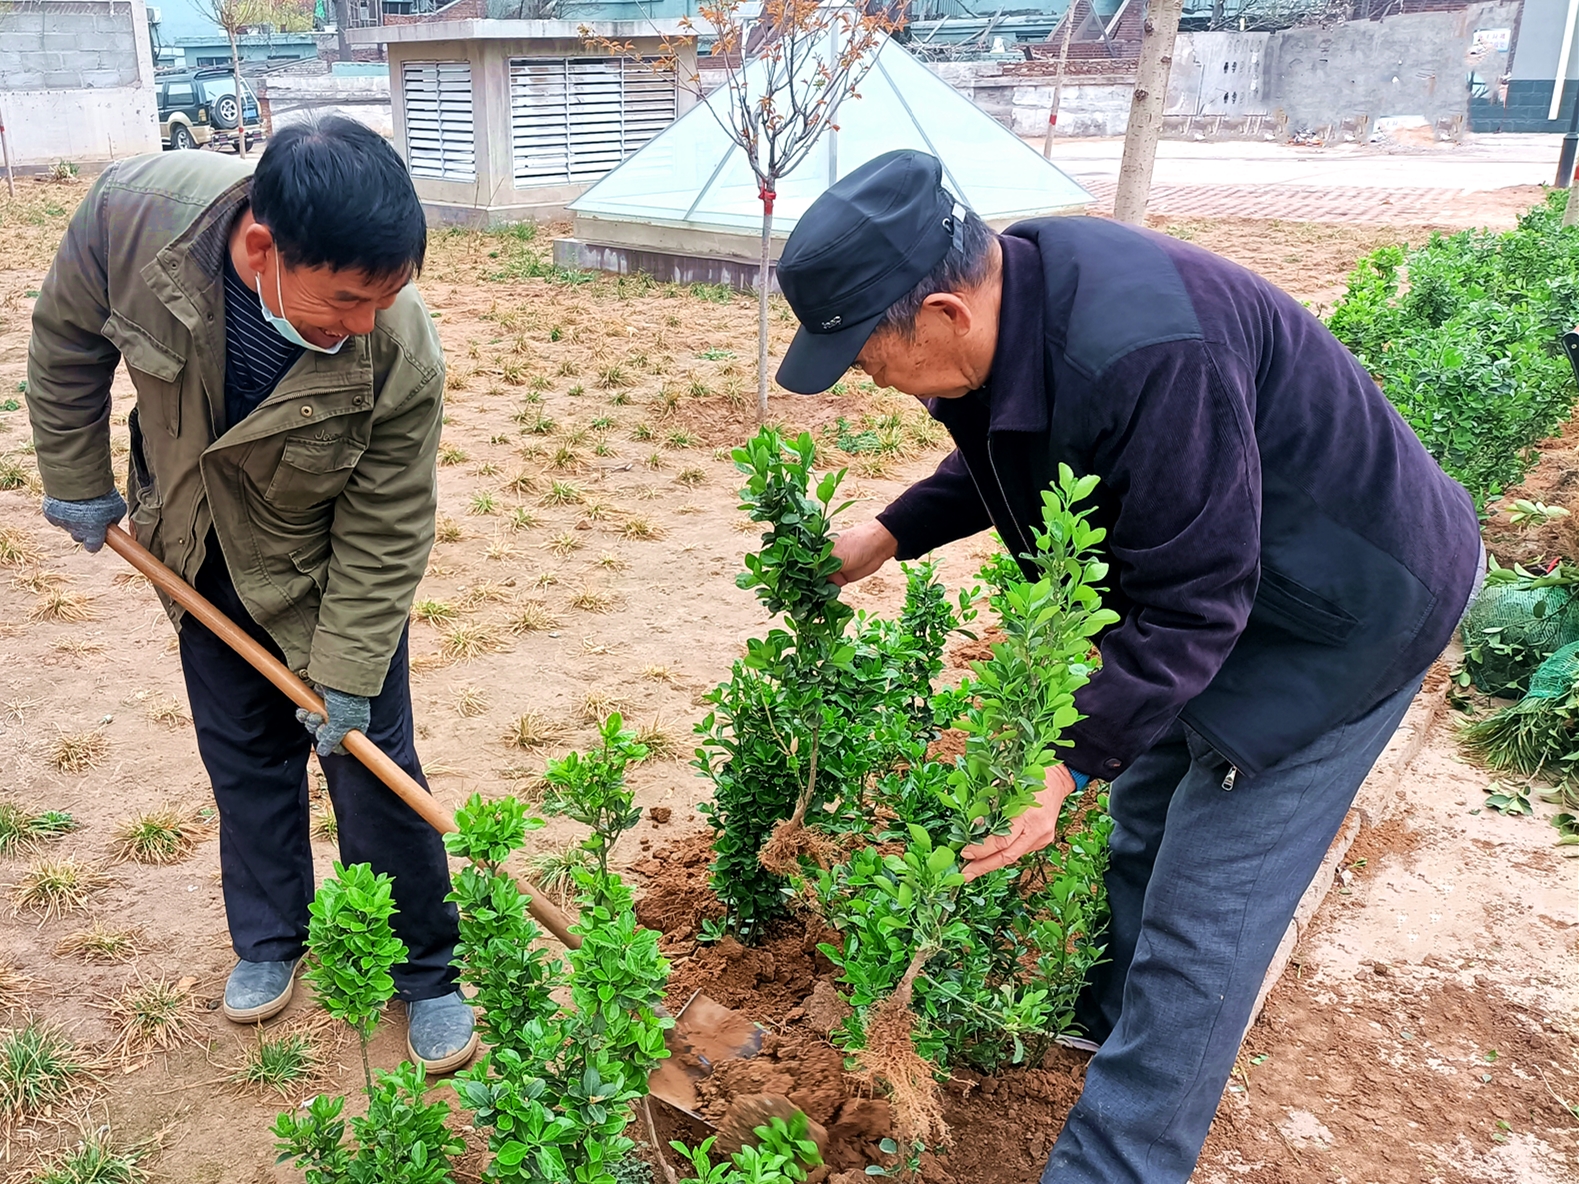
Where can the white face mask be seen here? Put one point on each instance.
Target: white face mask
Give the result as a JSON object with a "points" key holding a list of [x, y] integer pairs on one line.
{"points": [[283, 327]]}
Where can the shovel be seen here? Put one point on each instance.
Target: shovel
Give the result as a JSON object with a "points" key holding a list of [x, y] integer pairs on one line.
{"points": [[704, 1031]]}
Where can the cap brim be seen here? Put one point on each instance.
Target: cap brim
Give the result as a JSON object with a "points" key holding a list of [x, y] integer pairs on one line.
{"points": [[815, 361]]}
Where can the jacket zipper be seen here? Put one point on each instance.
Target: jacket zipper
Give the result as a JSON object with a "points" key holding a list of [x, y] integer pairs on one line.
{"points": [[1008, 506]]}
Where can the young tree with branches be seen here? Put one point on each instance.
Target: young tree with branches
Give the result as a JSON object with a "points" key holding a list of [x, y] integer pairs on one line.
{"points": [[787, 68], [235, 17]]}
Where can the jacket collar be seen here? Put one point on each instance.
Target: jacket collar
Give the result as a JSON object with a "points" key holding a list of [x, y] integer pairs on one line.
{"points": [[187, 275], [1015, 393]]}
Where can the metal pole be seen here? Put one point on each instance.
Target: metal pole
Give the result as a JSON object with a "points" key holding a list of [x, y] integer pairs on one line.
{"points": [[1565, 161], [5, 147], [1562, 58]]}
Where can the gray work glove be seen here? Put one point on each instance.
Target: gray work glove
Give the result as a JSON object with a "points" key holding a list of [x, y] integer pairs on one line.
{"points": [[87, 520], [346, 713]]}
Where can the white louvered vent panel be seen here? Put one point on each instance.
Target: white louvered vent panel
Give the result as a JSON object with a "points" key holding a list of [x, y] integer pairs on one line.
{"points": [[575, 119], [440, 137], [539, 129]]}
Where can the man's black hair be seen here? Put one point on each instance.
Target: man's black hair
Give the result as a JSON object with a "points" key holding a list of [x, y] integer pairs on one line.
{"points": [[963, 267], [334, 193]]}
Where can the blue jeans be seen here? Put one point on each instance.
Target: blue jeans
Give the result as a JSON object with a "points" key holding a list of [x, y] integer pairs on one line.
{"points": [[1203, 882]]}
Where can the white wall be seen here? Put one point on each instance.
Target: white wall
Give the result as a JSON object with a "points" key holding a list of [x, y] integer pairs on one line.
{"points": [[110, 113]]}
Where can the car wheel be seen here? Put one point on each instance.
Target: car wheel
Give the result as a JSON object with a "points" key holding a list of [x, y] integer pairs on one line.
{"points": [[227, 112], [181, 138]]}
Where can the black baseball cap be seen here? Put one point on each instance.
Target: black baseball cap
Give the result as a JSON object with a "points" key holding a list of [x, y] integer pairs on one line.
{"points": [[860, 247]]}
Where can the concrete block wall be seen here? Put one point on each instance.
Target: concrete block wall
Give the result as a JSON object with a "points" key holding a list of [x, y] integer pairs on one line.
{"points": [[67, 46], [1333, 83], [77, 81]]}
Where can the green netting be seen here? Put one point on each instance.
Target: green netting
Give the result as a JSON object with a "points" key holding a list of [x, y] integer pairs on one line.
{"points": [[1555, 677], [1510, 630]]}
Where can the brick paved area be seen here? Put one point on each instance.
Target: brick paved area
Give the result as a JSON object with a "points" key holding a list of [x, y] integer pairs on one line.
{"points": [[1451, 208]]}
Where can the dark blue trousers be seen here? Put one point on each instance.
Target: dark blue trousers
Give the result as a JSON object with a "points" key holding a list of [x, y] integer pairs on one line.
{"points": [[256, 756], [1202, 882]]}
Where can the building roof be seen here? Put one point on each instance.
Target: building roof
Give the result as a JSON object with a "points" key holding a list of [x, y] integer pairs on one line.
{"points": [[511, 30], [693, 175]]}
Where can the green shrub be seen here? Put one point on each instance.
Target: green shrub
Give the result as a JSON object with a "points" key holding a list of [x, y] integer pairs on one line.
{"points": [[990, 967], [818, 707], [1463, 335], [555, 1088]]}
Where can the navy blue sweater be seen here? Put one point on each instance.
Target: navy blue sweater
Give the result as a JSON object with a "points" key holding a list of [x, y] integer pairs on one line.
{"points": [[1285, 553]]}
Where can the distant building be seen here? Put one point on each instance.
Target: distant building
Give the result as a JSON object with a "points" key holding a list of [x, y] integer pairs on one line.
{"points": [[1518, 97], [214, 50], [505, 120]]}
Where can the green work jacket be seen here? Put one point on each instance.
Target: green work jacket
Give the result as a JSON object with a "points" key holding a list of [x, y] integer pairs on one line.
{"points": [[323, 498]]}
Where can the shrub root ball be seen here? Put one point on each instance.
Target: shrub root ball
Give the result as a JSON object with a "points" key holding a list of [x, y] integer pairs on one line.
{"points": [[890, 1057]]}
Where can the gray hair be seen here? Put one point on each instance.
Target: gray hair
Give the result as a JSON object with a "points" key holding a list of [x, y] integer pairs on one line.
{"points": [[965, 266]]}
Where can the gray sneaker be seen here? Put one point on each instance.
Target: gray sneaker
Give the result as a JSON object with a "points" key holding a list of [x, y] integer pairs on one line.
{"points": [[258, 991], [439, 1032]]}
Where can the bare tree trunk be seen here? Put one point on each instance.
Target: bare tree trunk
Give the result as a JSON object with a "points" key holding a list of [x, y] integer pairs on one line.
{"points": [[342, 25], [1145, 113], [1571, 208], [241, 102], [764, 275]]}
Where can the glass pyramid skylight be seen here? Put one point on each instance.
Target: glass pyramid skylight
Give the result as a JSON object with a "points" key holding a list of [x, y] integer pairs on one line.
{"points": [[693, 175]]}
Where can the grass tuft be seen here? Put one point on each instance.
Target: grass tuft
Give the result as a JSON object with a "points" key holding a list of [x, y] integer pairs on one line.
{"points": [[23, 830], [554, 871], [54, 887], [77, 752], [593, 600], [597, 706], [661, 743], [434, 612], [165, 835], [153, 1017], [325, 824], [469, 640], [100, 944], [531, 616], [39, 1067], [563, 543], [563, 493], [170, 712], [278, 1062], [532, 731], [96, 1160], [17, 547], [641, 530], [470, 701], [56, 604]]}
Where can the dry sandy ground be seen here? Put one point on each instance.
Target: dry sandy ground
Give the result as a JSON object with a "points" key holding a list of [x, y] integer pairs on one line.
{"points": [[1456, 937]]}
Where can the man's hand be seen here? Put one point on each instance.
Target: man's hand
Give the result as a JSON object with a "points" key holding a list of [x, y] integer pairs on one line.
{"points": [[346, 713], [86, 521], [862, 551], [1031, 831]]}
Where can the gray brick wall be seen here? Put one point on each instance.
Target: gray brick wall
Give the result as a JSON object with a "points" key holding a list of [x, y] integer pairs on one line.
{"points": [[66, 44]]}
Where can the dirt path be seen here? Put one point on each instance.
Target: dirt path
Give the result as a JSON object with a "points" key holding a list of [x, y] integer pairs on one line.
{"points": [[626, 597]]}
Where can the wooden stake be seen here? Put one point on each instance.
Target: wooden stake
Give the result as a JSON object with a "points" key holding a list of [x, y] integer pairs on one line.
{"points": [[1058, 87], [1145, 113], [5, 147], [298, 692]]}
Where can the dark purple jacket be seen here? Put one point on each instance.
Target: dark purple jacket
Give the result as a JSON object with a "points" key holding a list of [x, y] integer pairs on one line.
{"points": [[1285, 553]]}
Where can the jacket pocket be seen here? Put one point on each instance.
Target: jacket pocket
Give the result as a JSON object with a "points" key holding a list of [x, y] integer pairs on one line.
{"points": [[155, 369], [1291, 606], [312, 470], [144, 504], [312, 560]]}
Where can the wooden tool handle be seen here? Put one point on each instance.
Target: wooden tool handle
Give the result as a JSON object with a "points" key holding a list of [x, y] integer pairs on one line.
{"points": [[298, 692]]}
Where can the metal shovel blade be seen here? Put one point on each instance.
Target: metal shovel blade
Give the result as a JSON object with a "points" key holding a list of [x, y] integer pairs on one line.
{"points": [[705, 1032]]}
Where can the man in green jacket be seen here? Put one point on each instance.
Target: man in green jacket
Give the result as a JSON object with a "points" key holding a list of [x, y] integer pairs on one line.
{"points": [[289, 394]]}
